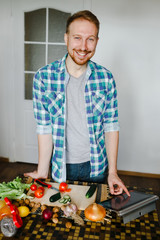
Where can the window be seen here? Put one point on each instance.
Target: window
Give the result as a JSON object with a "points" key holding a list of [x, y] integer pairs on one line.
{"points": [[44, 41]]}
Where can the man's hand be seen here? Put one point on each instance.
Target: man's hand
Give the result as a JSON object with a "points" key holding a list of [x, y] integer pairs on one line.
{"points": [[35, 175], [116, 185]]}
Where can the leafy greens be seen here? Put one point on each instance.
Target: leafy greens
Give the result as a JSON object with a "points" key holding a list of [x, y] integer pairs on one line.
{"points": [[14, 189]]}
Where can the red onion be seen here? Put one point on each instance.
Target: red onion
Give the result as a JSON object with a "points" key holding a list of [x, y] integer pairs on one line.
{"points": [[47, 214]]}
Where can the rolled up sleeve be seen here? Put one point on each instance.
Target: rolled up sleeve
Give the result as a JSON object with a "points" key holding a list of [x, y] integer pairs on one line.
{"points": [[40, 106], [111, 111]]}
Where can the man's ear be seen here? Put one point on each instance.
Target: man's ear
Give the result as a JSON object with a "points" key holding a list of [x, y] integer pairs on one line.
{"points": [[65, 38], [97, 39]]}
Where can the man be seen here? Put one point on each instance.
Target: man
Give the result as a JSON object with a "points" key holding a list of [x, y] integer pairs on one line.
{"points": [[75, 106]]}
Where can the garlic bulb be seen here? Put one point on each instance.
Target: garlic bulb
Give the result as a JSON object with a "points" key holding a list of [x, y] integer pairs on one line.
{"points": [[70, 209]]}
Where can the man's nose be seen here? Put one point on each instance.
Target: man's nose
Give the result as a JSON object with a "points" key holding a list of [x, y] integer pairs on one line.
{"points": [[84, 45]]}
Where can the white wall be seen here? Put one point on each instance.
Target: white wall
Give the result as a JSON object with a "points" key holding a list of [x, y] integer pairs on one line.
{"points": [[129, 47], [6, 79]]}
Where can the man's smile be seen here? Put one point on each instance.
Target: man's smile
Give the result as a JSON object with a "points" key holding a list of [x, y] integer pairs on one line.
{"points": [[82, 53]]}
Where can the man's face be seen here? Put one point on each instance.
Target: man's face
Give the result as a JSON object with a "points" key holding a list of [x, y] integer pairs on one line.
{"points": [[81, 41]]}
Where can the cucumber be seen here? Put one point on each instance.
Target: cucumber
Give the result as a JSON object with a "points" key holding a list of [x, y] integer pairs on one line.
{"points": [[55, 197], [65, 199], [91, 191], [62, 200]]}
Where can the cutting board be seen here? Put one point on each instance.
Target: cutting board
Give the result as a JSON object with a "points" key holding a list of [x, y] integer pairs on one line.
{"points": [[77, 195]]}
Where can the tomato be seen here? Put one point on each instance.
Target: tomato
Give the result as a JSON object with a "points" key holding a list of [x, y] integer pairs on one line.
{"points": [[33, 187], [63, 186], [39, 193], [68, 190], [42, 188]]}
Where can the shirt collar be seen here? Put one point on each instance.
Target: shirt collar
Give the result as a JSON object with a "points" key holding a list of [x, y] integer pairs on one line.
{"points": [[62, 67]]}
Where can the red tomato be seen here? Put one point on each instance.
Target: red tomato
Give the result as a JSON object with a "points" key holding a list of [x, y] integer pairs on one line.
{"points": [[42, 188], [63, 186], [68, 190], [39, 193], [33, 187]]}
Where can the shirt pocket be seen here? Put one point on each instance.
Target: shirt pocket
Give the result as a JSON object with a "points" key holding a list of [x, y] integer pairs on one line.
{"points": [[55, 104], [98, 103]]}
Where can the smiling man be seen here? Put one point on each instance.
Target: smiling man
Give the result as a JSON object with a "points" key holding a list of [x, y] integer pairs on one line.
{"points": [[81, 39], [75, 107]]}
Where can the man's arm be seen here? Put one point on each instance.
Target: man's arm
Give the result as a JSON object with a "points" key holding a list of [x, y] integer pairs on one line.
{"points": [[45, 147], [111, 143]]}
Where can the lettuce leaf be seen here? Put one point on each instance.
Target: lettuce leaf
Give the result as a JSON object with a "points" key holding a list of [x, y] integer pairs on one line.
{"points": [[14, 189]]}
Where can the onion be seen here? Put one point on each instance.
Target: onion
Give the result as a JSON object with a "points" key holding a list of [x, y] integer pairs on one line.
{"points": [[95, 212], [47, 214]]}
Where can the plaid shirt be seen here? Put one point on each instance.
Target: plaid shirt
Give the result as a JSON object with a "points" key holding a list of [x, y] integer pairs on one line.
{"points": [[49, 103]]}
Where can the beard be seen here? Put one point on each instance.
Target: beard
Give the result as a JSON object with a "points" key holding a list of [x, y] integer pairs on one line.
{"points": [[80, 57]]}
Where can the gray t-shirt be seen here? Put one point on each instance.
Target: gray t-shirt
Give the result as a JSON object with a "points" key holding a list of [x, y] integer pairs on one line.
{"points": [[77, 135]]}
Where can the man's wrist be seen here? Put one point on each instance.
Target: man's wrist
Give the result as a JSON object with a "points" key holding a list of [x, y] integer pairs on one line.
{"points": [[112, 171]]}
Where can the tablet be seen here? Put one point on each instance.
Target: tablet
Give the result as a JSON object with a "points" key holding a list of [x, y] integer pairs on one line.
{"points": [[136, 205], [123, 201]]}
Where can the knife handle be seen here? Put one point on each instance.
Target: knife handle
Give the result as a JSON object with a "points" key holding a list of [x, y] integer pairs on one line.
{"points": [[42, 183]]}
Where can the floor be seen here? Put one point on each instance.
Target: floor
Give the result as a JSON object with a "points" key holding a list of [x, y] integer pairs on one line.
{"points": [[8, 171]]}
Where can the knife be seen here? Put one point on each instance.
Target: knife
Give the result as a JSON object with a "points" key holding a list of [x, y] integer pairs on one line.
{"points": [[45, 184]]}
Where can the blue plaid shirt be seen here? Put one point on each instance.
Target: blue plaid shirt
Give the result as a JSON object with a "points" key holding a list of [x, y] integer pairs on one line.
{"points": [[49, 103]]}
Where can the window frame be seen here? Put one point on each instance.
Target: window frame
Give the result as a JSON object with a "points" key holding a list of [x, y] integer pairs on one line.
{"points": [[46, 44]]}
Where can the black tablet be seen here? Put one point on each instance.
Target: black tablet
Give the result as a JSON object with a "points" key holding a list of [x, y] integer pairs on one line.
{"points": [[123, 201]]}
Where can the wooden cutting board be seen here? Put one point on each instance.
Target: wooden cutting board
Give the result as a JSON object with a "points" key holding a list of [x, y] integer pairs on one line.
{"points": [[77, 195]]}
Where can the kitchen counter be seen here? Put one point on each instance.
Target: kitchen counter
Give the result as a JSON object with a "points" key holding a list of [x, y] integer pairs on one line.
{"points": [[145, 227]]}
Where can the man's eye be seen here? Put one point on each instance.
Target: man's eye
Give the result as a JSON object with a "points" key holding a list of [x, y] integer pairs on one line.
{"points": [[77, 38], [91, 39]]}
